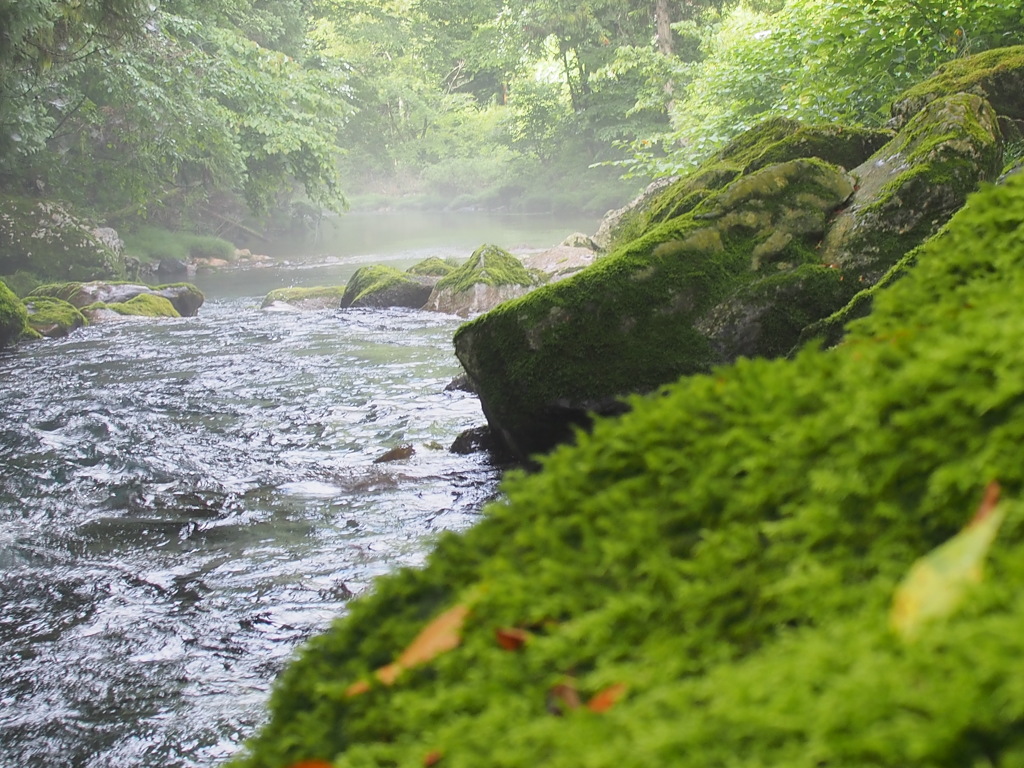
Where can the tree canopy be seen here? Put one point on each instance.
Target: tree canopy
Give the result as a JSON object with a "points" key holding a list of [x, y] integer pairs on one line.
{"points": [[161, 110]]}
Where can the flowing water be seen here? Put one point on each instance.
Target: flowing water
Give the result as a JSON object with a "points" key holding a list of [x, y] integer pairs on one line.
{"points": [[184, 502]]}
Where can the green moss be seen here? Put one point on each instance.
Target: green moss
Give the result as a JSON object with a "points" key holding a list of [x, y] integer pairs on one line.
{"points": [[434, 267], [836, 144], [13, 317], [371, 280], [728, 551], [63, 291], [633, 320], [489, 265], [322, 293], [777, 140], [144, 305], [914, 184], [996, 75], [53, 317]]}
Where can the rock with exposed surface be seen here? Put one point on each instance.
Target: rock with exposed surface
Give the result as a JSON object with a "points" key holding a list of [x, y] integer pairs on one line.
{"points": [[560, 262], [489, 278], [911, 186]]}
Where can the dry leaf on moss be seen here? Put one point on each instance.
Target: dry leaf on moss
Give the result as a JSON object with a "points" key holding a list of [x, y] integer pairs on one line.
{"points": [[936, 584], [605, 699], [511, 638], [441, 635]]}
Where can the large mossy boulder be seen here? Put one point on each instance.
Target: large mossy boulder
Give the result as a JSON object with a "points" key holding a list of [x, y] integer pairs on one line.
{"points": [[489, 277], [710, 580], [185, 298], [13, 317], [723, 270], [650, 312], [996, 76], [44, 238], [774, 141], [911, 186], [53, 318], [382, 286]]}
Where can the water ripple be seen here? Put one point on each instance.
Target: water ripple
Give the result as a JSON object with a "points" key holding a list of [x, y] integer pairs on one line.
{"points": [[183, 503]]}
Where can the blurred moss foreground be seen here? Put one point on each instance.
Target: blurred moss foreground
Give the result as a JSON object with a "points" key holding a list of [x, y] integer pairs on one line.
{"points": [[708, 580]]}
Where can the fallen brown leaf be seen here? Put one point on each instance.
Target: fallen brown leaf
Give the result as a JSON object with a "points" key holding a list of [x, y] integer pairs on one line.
{"points": [[511, 638], [441, 635], [605, 699]]}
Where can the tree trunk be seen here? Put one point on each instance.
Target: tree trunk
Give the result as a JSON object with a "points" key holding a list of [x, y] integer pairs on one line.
{"points": [[663, 27], [663, 36]]}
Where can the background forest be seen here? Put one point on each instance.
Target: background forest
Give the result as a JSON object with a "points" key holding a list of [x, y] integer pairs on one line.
{"points": [[181, 112]]}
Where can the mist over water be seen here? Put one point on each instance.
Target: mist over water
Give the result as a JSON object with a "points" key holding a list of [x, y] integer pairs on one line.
{"points": [[183, 502]]}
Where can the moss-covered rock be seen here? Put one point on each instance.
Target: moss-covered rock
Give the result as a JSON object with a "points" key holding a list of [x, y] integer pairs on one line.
{"points": [[53, 318], [45, 239], [691, 293], [317, 297], [489, 277], [433, 267], [910, 187], [141, 305], [774, 141], [13, 317], [380, 286], [707, 581], [184, 297], [996, 76]]}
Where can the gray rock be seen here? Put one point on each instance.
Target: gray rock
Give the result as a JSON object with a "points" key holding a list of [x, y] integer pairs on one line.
{"points": [[911, 186]]}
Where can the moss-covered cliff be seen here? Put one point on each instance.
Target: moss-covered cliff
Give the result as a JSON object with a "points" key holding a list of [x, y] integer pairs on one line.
{"points": [[707, 580]]}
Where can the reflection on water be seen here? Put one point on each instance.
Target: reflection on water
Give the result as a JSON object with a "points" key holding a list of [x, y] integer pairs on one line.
{"points": [[183, 502]]}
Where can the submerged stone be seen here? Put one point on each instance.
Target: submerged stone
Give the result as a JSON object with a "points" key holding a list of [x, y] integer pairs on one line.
{"points": [[142, 305], [317, 297]]}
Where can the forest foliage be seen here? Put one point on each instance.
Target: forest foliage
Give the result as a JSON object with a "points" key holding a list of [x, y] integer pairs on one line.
{"points": [[167, 109]]}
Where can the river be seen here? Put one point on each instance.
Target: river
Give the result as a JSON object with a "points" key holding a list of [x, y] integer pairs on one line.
{"points": [[184, 502]]}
